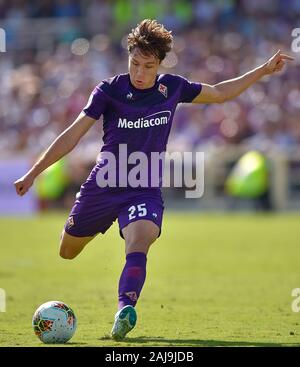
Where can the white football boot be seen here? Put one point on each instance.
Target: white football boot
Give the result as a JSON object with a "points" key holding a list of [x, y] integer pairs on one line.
{"points": [[125, 320]]}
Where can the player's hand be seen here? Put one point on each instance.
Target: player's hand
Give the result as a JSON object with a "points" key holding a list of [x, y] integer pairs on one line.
{"points": [[276, 62], [23, 184]]}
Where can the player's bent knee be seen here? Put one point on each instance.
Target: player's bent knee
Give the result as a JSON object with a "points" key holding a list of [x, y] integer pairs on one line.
{"points": [[71, 246], [66, 254], [65, 251]]}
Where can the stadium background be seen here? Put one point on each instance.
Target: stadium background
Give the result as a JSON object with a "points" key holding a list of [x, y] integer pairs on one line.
{"points": [[57, 51]]}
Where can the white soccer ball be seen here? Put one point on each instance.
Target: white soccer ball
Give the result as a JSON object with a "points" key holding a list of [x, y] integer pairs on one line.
{"points": [[54, 322]]}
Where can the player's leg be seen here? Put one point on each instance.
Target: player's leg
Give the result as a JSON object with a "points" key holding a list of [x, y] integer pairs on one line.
{"points": [[138, 237], [139, 226], [92, 213], [71, 246]]}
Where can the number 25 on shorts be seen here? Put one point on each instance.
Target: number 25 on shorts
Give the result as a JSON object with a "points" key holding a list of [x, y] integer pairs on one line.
{"points": [[137, 211]]}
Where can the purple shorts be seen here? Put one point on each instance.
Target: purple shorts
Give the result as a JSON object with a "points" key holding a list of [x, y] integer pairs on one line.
{"points": [[95, 208]]}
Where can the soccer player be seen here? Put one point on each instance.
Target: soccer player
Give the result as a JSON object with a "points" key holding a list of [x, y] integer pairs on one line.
{"points": [[138, 109]]}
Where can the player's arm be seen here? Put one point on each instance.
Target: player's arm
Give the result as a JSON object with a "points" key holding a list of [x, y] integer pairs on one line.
{"points": [[230, 89], [61, 146]]}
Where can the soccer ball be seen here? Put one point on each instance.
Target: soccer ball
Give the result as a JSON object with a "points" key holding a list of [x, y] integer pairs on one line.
{"points": [[54, 322]]}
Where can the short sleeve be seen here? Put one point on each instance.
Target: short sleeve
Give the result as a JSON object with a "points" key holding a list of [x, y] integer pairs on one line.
{"points": [[189, 90], [96, 104]]}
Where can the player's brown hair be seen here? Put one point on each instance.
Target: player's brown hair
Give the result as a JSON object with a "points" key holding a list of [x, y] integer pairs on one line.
{"points": [[150, 37]]}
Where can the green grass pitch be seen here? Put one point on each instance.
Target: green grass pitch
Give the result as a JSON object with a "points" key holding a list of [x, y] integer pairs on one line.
{"points": [[212, 280]]}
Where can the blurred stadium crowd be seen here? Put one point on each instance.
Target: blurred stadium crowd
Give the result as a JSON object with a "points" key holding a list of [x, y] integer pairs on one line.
{"points": [[57, 51]]}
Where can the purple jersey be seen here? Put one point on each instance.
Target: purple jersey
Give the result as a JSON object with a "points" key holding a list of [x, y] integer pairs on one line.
{"points": [[139, 118], [142, 120]]}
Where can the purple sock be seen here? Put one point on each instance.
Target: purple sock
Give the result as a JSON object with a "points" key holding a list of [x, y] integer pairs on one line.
{"points": [[132, 279]]}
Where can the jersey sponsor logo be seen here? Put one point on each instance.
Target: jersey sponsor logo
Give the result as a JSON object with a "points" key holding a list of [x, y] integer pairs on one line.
{"points": [[155, 119], [163, 89]]}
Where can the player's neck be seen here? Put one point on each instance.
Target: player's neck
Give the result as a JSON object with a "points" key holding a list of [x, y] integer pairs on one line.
{"points": [[146, 89]]}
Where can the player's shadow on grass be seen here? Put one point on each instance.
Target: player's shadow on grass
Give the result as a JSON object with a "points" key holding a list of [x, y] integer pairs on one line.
{"points": [[204, 343]]}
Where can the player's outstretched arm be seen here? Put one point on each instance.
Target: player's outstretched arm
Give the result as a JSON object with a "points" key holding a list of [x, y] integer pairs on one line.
{"points": [[61, 146], [230, 89]]}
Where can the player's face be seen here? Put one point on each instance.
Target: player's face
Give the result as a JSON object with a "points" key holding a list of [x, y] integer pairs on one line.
{"points": [[142, 69]]}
